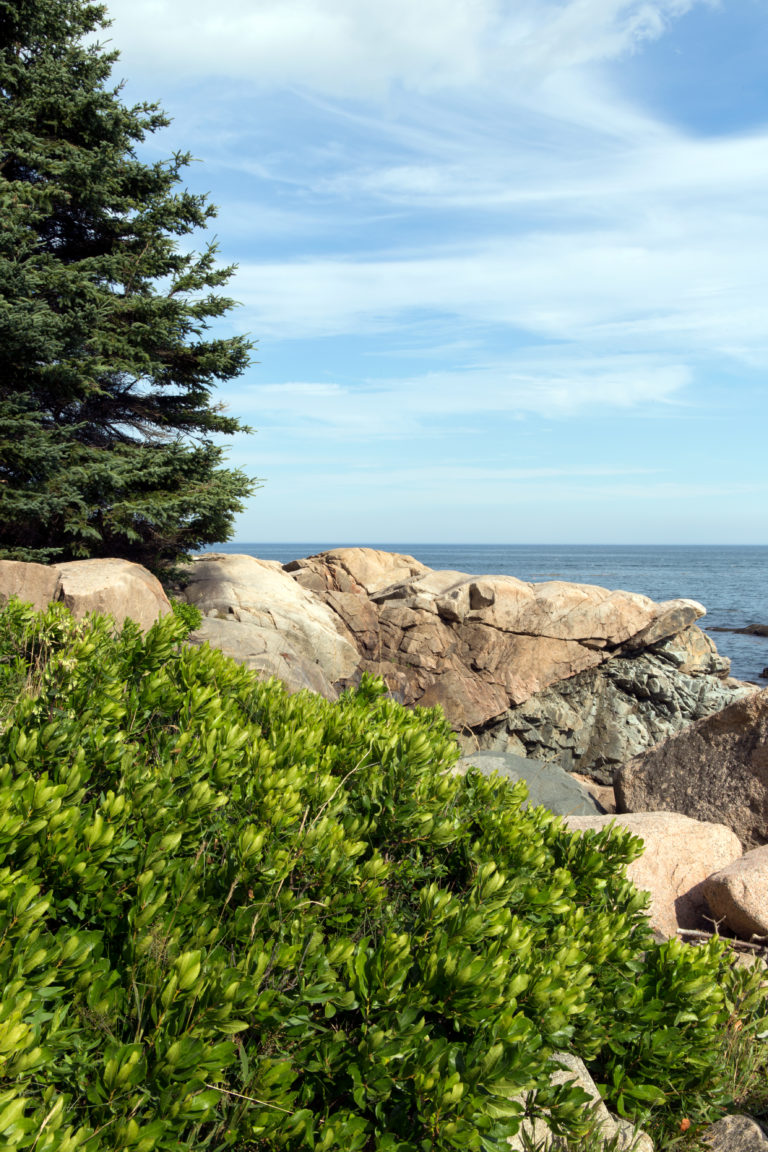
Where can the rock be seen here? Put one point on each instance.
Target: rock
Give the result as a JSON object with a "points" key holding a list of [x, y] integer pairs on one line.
{"points": [[354, 570], [578, 612], [629, 1138], [110, 586], [573, 674], [674, 618], [35, 584], [680, 853], [360, 617], [520, 664], [284, 629], [738, 894], [467, 702], [747, 960], [547, 784], [553, 610], [481, 645], [693, 652], [613, 1134], [265, 651], [118, 588], [602, 794], [735, 1134], [717, 769], [435, 586], [750, 630], [599, 719]]}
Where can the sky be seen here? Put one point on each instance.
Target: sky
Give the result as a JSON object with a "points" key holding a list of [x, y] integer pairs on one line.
{"points": [[504, 261]]}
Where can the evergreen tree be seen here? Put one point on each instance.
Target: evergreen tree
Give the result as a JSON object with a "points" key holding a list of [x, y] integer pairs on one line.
{"points": [[107, 364]]}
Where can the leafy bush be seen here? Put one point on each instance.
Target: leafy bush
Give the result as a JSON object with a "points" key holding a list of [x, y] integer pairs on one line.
{"points": [[230, 917], [189, 614]]}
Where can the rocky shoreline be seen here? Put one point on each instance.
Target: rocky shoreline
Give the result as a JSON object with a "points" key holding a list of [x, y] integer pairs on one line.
{"points": [[571, 687], [574, 674]]}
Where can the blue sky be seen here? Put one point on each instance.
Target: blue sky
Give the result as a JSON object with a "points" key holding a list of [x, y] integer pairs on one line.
{"points": [[505, 260]]}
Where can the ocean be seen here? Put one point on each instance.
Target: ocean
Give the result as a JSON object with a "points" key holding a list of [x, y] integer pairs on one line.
{"points": [[731, 582]]}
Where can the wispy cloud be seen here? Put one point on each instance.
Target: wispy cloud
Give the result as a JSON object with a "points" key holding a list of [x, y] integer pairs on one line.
{"points": [[356, 48], [628, 289], [430, 405]]}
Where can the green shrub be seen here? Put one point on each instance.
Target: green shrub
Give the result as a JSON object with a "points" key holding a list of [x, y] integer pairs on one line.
{"points": [[189, 614], [230, 917]]}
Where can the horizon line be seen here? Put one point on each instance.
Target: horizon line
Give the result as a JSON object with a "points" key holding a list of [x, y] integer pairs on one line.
{"points": [[491, 544]]}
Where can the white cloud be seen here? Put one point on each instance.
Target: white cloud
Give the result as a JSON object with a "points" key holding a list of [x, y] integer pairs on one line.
{"points": [[339, 46], [672, 170], [435, 404], [697, 288], [520, 261], [361, 47]]}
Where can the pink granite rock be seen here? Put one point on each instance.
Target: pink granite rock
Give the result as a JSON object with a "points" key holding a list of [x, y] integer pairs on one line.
{"points": [[261, 617], [478, 645], [118, 588], [35, 584], [680, 853], [738, 894]]}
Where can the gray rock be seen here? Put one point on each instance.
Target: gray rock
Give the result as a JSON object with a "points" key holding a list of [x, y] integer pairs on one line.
{"points": [[597, 720], [548, 784], [750, 630], [736, 1134]]}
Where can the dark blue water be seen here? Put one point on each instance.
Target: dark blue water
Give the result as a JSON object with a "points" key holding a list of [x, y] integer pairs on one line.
{"points": [[731, 582]]}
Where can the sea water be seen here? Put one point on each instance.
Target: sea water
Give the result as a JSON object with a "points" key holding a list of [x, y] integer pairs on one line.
{"points": [[731, 582]]}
